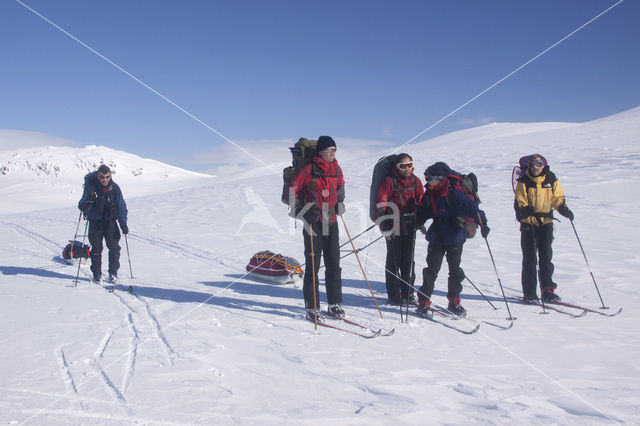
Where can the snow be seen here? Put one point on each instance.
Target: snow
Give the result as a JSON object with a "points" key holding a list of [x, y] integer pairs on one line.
{"points": [[198, 342]]}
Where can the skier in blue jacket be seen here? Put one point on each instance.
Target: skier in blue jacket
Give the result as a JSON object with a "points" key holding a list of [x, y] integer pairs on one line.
{"points": [[102, 205], [444, 204]]}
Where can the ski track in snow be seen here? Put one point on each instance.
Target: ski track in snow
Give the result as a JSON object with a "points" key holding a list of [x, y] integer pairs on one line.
{"points": [[131, 353], [67, 377], [187, 251]]}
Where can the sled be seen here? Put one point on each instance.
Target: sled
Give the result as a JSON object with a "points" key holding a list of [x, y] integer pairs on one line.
{"points": [[274, 268], [75, 251]]}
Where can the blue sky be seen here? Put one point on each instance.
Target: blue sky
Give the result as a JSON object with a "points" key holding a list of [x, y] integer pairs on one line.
{"points": [[273, 70]]}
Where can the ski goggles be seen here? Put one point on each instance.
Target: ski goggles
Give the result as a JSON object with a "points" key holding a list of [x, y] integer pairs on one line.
{"points": [[405, 165], [430, 178], [330, 150], [104, 177], [536, 164]]}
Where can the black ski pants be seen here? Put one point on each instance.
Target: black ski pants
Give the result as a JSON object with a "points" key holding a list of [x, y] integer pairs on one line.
{"points": [[107, 230], [325, 245], [399, 267], [532, 239], [435, 254]]}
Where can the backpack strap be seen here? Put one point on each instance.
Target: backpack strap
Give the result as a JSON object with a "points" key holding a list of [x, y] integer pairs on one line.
{"points": [[396, 188]]}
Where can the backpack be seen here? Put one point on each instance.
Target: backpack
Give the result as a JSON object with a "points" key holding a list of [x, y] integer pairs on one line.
{"points": [[468, 184], [382, 169], [520, 169], [302, 152]]}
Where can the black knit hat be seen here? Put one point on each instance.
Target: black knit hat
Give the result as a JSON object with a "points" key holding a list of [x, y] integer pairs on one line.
{"points": [[324, 142], [437, 170]]}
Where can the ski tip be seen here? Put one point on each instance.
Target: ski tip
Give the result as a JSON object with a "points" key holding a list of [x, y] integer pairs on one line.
{"points": [[390, 332], [615, 313], [476, 328], [375, 334]]}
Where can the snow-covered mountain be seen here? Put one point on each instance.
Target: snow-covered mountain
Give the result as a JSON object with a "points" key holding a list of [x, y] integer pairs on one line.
{"points": [[54, 175], [198, 342]]}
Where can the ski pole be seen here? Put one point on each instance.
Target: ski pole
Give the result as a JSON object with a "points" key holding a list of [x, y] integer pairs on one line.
{"points": [[360, 263], [86, 225], [75, 235], [511, 318], [351, 251], [313, 265], [481, 294], [128, 256], [366, 230], [588, 267]]}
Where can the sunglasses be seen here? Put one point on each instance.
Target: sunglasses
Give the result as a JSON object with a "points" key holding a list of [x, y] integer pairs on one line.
{"points": [[407, 165], [331, 150], [430, 178], [536, 164], [104, 177]]}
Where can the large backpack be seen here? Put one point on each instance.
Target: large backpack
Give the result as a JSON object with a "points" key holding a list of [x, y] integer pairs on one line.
{"points": [[468, 184], [302, 152], [520, 169], [382, 169]]}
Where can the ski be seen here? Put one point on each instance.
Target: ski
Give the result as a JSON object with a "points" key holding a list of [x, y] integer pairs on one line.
{"points": [[354, 323], [595, 311], [458, 329], [498, 326], [445, 323], [550, 308], [365, 335]]}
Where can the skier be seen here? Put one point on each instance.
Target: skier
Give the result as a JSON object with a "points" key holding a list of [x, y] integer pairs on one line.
{"points": [[538, 192], [399, 196], [444, 203], [102, 204], [319, 197]]}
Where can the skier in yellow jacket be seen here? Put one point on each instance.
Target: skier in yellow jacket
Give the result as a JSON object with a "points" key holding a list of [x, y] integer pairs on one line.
{"points": [[538, 193]]}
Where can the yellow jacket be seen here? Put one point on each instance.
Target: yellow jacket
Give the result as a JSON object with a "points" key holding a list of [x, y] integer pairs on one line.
{"points": [[536, 197]]}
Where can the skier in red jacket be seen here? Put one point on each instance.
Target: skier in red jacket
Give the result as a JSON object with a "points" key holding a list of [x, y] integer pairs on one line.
{"points": [[399, 196], [319, 197]]}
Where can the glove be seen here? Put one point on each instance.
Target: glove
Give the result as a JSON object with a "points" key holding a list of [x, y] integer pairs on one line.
{"points": [[484, 230], [340, 209], [564, 211], [125, 228], [92, 196], [483, 218]]}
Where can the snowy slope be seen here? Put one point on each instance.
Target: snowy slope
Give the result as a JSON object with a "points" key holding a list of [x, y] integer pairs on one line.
{"points": [[54, 175], [200, 343]]}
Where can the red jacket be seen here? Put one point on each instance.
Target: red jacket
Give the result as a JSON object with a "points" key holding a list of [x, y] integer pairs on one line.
{"points": [[320, 183], [405, 193]]}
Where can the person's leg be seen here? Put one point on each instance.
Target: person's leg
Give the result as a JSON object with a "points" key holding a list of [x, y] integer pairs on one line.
{"points": [[96, 233], [112, 237], [529, 261]]}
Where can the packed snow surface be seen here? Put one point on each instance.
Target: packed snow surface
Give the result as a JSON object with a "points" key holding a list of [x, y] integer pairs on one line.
{"points": [[199, 342]]}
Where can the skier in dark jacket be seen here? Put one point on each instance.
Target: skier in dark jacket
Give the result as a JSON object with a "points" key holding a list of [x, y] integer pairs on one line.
{"points": [[446, 237], [102, 205], [319, 197], [399, 196], [538, 192]]}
